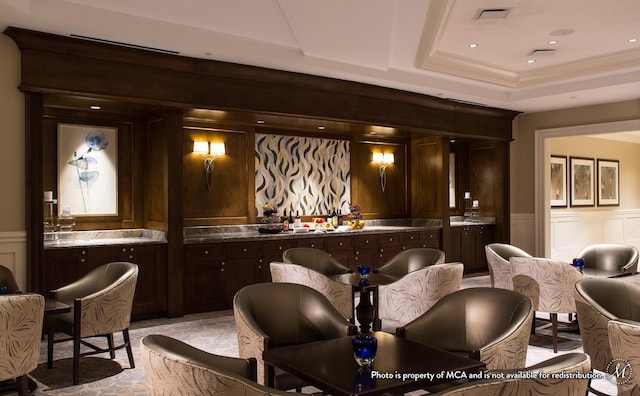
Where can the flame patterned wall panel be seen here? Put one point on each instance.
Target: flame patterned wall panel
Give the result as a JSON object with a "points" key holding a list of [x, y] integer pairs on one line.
{"points": [[309, 175]]}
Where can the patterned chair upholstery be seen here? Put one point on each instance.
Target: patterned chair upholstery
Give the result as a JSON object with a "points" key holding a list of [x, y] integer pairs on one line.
{"points": [[411, 260], [610, 257], [20, 331], [315, 259], [339, 294], [416, 292], [172, 367], [549, 284], [498, 255], [598, 301], [101, 303], [8, 280], [489, 324], [270, 315], [624, 339], [570, 363]]}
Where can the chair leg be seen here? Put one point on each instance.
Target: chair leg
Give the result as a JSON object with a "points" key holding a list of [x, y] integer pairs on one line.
{"points": [[50, 334], [554, 331], [112, 352], [125, 336], [21, 384], [76, 359]]}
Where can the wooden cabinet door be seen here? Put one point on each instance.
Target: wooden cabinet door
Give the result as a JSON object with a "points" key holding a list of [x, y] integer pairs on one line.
{"points": [[483, 238], [63, 266], [208, 278]]}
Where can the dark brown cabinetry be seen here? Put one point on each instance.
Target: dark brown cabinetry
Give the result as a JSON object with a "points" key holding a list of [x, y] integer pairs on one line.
{"points": [[66, 265], [466, 245]]}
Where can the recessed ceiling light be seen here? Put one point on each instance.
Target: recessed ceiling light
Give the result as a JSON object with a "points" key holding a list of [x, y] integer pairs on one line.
{"points": [[552, 42], [633, 40], [260, 122], [531, 61], [321, 127], [473, 45], [95, 107]]}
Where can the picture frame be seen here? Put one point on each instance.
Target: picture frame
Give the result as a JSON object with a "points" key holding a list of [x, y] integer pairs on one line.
{"points": [[608, 182], [582, 177], [558, 172], [88, 169]]}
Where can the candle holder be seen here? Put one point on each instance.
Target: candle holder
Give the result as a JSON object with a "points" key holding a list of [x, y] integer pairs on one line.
{"points": [[578, 263], [364, 271], [365, 347]]}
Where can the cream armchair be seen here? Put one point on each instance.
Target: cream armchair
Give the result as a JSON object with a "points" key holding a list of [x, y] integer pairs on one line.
{"points": [[611, 257], [20, 331], [101, 303], [498, 255], [315, 259], [488, 324], [624, 339], [172, 367], [411, 260], [416, 292], [549, 284], [339, 294]]}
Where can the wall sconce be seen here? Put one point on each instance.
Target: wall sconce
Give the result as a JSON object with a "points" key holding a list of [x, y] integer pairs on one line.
{"points": [[216, 150], [384, 160]]}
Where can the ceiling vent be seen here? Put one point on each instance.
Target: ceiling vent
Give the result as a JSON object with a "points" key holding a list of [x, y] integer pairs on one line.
{"points": [[542, 52], [492, 13]]}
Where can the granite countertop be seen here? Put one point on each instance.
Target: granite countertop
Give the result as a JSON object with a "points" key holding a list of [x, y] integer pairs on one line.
{"points": [[102, 238], [243, 232], [460, 221]]}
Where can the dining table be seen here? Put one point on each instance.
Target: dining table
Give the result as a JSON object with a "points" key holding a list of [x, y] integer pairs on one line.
{"points": [[400, 366], [367, 310]]}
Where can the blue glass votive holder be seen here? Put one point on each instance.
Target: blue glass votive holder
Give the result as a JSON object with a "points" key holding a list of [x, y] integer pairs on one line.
{"points": [[3, 289], [578, 263], [364, 271], [364, 349]]}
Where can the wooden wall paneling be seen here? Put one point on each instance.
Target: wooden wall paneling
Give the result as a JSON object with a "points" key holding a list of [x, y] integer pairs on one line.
{"points": [[365, 180], [226, 202], [156, 147], [429, 167]]}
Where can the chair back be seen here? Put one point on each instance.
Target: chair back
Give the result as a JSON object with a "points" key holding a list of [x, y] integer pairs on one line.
{"points": [[599, 300], [548, 283], [498, 255], [611, 257], [624, 339], [21, 328], [484, 313], [8, 280], [315, 259], [172, 367], [412, 260]]}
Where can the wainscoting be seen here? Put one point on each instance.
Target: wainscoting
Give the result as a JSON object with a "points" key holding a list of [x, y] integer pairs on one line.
{"points": [[572, 230], [13, 254], [523, 231]]}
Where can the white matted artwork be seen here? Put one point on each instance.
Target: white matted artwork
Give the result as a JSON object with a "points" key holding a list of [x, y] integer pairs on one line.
{"points": [[88, 169]]}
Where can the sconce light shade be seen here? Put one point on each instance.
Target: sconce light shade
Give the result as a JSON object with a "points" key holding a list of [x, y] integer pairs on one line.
{"points": [[384, 159], [201, 147], [388, 158], [217, 149], [378, 157]]}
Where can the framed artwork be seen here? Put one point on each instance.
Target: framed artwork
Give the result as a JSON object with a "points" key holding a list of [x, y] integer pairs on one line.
{"points": [[608, 182], [582, 176], [88, 170], [558, 190]]}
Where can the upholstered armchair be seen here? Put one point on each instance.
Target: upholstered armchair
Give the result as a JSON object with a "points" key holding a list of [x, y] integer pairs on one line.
{"points": [[411, 260], [416, 292], [172, 367], [315, 259], [270, 315], [20, 331], [101, 303], [489, 324], [549, 284], [339, 294], [8, 280], [612, 257], [520, 385], [598, 301], [498, 255], [624, 339]]}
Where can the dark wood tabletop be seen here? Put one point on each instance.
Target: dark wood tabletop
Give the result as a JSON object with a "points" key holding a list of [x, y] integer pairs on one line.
{"points": [[375, 279], [400, 366], [52, 307]]}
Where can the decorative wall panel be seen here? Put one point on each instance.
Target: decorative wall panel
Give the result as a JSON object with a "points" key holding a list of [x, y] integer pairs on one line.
{"points": [[309, 175]]}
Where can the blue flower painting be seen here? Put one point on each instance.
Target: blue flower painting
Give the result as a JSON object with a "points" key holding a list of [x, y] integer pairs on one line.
{"points": [[88, 174]]}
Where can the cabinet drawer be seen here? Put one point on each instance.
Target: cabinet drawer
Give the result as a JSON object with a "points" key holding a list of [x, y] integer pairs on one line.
{"points": [[316, 243], [366, 241], [385, 239], [339, 243], [430, 236], [239, 250], [409, 237], [204, 252], [276, 248]]}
